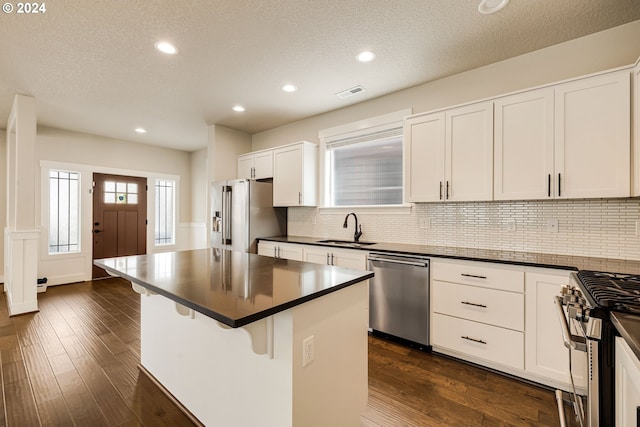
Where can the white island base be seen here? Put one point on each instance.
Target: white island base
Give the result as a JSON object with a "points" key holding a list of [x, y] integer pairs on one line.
{"points": [[254, 375]]}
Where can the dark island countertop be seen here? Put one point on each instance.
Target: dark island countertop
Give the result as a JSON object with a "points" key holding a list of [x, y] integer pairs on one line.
{"points": [[532, 259], [234, 288]]}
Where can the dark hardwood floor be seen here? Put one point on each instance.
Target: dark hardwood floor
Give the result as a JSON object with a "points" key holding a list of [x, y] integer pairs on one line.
{"points": [[75, 363]]}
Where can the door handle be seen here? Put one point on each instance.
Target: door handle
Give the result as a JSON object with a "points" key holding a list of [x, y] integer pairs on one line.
{"points": [[97, 231]]}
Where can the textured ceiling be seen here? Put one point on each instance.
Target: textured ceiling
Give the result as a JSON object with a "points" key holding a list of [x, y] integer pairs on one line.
{"points": [[92, 67]]}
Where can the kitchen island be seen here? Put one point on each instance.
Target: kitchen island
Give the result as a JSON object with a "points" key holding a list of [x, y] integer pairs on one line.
{"points": [[223, 332]]}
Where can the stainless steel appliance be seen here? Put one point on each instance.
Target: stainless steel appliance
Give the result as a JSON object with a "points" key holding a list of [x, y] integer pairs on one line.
{"points": [[399, 296], [589, 299], [242, 211]]}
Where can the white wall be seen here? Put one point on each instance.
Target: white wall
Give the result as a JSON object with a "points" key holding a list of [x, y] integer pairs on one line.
{"points": [[3, 197], [199, 196], [90, 153]]}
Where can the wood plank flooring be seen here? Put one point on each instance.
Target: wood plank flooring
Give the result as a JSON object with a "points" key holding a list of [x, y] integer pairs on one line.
{"points": [[75, 363]]}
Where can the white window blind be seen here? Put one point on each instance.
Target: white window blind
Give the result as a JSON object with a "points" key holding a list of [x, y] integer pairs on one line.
{"points": [[363, 162]]}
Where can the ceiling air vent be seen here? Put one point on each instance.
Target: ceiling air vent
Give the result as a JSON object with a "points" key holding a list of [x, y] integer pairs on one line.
{"points": [[350, 92]]}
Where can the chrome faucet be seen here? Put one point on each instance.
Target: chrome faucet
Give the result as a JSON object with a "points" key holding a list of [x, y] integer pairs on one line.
{"points": [[358, 232]]}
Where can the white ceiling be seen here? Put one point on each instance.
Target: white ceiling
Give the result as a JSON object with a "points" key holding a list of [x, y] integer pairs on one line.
{"points": [[92, 66]]}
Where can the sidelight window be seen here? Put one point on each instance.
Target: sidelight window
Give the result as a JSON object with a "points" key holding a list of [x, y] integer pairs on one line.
{"points": [[165, 212], [64, 211]]}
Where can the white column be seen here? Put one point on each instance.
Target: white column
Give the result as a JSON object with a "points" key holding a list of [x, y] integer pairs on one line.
{"points": [[21, 234]]}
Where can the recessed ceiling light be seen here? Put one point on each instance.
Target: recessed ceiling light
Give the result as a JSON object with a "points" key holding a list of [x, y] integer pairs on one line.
{"points": [[166, 47], [238, 108], [141, 130], [491, 6], [366, 56], [289, 88]]}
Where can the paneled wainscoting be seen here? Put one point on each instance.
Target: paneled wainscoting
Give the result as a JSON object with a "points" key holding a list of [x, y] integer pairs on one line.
{"points": [[75, 363]]}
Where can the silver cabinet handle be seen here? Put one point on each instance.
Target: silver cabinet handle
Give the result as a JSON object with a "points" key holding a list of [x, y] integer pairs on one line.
{"points": [[474, 340], [275, 252], [299, 197], [473, 275], [440, 190], [278, 251], [397, 261], [473, 304], [447, 190], [328, 263], [332, 259]]}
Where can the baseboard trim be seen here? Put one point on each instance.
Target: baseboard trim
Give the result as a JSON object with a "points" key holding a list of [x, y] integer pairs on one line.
{"points": [[171, 397]]}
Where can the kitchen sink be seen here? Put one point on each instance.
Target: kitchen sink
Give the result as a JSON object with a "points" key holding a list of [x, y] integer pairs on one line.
{"points": [[349, 243]]}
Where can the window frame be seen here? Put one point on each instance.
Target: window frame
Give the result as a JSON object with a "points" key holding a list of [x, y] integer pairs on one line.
{"points": [[354, 130], [156, 212], [79, 215]]}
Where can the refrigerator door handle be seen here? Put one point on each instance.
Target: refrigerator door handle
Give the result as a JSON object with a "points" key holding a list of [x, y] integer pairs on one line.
{"points": [[226, 207]]}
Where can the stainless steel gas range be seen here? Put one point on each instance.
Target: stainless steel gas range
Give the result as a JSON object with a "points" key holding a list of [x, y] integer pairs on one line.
{"points": [[584, 308]]}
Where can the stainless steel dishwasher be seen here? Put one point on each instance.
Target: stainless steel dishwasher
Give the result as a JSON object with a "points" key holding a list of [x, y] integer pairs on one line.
{"points": [[399, 296]]}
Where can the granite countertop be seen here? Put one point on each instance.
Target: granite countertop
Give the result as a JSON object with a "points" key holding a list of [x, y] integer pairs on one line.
{"points": [[234, 288], [629, 327], [532, 259]]}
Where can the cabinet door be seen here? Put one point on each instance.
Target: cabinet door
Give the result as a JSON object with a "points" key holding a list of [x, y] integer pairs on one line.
{"points": [[469, 153], [636, 130], [523, 146], [424, 158], [287, 176], [263, 164], [245, 166], [267, 248], [627, 382], [316, 254], [350, 259], [545, 353], [288, 251], [592, 137]]}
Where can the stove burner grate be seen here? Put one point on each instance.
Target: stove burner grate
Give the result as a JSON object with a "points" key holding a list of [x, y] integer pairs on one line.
{"points": [[615, 291]]}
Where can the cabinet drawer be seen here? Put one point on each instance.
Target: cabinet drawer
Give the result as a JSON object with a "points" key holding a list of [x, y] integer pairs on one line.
{"points": [[491, 343], [478, 274], [494, 307]]}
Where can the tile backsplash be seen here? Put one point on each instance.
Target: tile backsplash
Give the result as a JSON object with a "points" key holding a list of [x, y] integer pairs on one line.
{"points": [[596, 228]]}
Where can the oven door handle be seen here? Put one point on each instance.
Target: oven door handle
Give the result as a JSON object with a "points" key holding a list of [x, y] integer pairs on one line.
{"points": [[571, 341]]}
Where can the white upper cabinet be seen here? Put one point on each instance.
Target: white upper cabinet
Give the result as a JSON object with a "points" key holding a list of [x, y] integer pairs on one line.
{"points": [[592, 137], [469, 153], [295, 175], [424, 158], [449, 155], [636, 129], [256, 165], [523, 146]]}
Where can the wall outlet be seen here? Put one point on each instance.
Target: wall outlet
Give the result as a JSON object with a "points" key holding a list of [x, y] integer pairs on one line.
{"points": [[425, 223], [511, 225], [307, 351], [552, 225]]}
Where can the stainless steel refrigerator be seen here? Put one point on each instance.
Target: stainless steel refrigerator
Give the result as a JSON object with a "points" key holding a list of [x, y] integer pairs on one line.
{"points": [[242, 211]]}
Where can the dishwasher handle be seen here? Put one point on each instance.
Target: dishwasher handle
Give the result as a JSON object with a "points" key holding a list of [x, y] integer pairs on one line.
{"points": [[397, 261]]}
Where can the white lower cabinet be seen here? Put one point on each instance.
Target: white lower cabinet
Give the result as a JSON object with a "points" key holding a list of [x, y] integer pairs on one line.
{"points": [[349, 258], [280, 250], [545, 353], [478, 312], [482, 341], [503, 317], [627, 381]]}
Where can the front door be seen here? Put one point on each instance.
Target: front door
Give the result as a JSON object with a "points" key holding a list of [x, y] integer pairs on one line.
{"points": [[119, 217]]}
